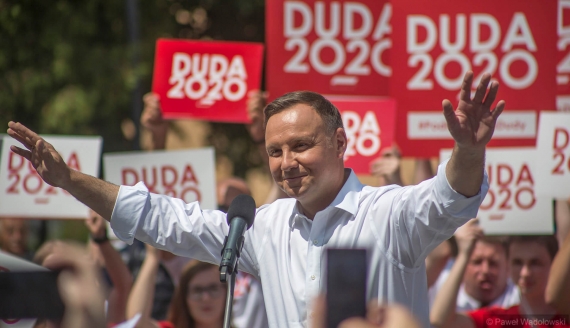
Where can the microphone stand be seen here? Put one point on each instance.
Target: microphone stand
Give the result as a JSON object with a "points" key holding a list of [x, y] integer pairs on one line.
{"points": [[230, 294]]}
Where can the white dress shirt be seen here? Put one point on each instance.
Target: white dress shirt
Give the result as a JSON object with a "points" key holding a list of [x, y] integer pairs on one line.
{"points": [[398, 226]]}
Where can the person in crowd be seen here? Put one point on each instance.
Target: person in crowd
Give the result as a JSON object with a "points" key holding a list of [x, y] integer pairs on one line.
{"points": [[486, 280], [387, 167], [530, 259], [329, 207], [198, 300], [557, 292], [79, 286], [14, 237], [105, 255]]}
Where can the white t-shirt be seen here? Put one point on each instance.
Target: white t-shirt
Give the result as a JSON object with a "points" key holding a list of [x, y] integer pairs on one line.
{"points": [[398, 226]]}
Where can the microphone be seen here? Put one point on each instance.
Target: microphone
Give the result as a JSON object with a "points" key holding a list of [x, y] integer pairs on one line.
{"points": [[240, 218]]}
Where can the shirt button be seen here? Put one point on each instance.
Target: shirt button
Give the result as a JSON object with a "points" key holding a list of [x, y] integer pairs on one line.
{"points": [[313, 277], [315, 242]]}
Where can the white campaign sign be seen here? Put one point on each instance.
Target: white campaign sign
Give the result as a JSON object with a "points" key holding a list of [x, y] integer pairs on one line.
{"points": [[9, 263], [24, 194], [512, 205], [553, 154], [185, 174]]}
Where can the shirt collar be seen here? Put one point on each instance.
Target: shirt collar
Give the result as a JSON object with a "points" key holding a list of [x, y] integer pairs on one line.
{"points": [[346, 199]]}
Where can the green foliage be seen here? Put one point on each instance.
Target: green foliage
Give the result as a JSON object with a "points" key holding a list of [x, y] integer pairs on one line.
{"points": [[67, 67]]}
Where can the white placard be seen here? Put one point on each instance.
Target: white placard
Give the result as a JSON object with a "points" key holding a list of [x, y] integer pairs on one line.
{"points": [[553, 155], [9, 263], [186, 174], [512, 205], [24, 194]]}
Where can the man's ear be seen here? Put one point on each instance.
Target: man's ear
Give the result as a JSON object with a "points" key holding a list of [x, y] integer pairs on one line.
{"points": [[340, 142]]}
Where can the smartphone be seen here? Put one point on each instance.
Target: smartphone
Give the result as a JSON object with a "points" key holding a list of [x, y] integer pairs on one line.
{"points": [[346, 285], [30, 294]]}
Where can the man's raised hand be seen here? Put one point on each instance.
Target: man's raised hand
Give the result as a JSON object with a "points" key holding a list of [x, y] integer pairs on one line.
{"points": [[44, 158], [473, 122]]}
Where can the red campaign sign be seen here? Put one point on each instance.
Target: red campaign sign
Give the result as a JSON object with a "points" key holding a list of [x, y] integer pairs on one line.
{"points": [[563, 58], [369, 123], [206, 80], [436, 42], [328, 46]]}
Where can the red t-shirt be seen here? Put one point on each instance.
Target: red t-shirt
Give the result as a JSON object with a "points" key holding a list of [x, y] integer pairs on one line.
{"points": [[495, 317], [165, 324]]}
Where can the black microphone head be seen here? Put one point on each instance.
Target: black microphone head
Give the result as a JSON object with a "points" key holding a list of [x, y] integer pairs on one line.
{"points": [[242, 206]]}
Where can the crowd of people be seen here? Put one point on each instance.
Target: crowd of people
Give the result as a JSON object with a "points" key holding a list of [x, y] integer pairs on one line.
{"points": [[427, 243]]}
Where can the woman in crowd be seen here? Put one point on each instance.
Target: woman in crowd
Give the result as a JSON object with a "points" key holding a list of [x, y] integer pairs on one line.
{"points": [[198, 300]]}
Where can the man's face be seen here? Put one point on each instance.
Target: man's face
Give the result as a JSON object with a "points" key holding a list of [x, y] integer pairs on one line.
{"points": [[530, 266], [13, 236], [486, 274], [305, 160]]}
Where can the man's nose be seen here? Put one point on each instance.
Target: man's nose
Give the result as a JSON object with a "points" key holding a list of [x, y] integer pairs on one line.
{"points": [[289, 161], [525, 270], [485, 267]]}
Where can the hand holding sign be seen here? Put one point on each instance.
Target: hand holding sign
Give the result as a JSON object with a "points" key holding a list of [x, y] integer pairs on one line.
{"points": [[44, 158], [473, 123]]}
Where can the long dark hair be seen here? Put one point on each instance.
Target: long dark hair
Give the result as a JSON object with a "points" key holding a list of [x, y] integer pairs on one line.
{"points": [[178, 313]]}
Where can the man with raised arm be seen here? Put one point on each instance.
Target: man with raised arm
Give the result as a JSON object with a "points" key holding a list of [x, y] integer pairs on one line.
{"points": [[329, 207]]}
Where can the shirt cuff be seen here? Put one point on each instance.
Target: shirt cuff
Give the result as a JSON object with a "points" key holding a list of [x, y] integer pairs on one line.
{"points": [[128, 210], [456, 204]]}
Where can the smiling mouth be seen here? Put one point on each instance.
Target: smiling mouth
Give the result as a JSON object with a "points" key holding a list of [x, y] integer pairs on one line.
{"points": [[294, 178]]}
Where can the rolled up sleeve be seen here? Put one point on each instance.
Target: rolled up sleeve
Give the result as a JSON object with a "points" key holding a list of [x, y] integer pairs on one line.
{"points": [[128, 210]]}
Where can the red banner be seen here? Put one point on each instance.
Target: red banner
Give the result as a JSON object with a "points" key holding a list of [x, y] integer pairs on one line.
{"points": [[369, 123], [206, 80], [436, 42], [328, 46], [563, 59]]}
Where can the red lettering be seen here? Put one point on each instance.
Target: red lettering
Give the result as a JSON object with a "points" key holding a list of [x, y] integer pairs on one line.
{"points": [[51, 190], [525, 175], [73, 162], [165, 172], [558, 168], [560, 146], [491, 197], [505, 205], [518, 200], [12, 166], [127, 173], [188, 176], [170, 192], [13, 188], [507, 169], [39, 183], [151, 186]]}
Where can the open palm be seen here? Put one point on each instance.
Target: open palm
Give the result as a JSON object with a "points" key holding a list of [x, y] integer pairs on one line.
{"points": [[473, 122]]}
